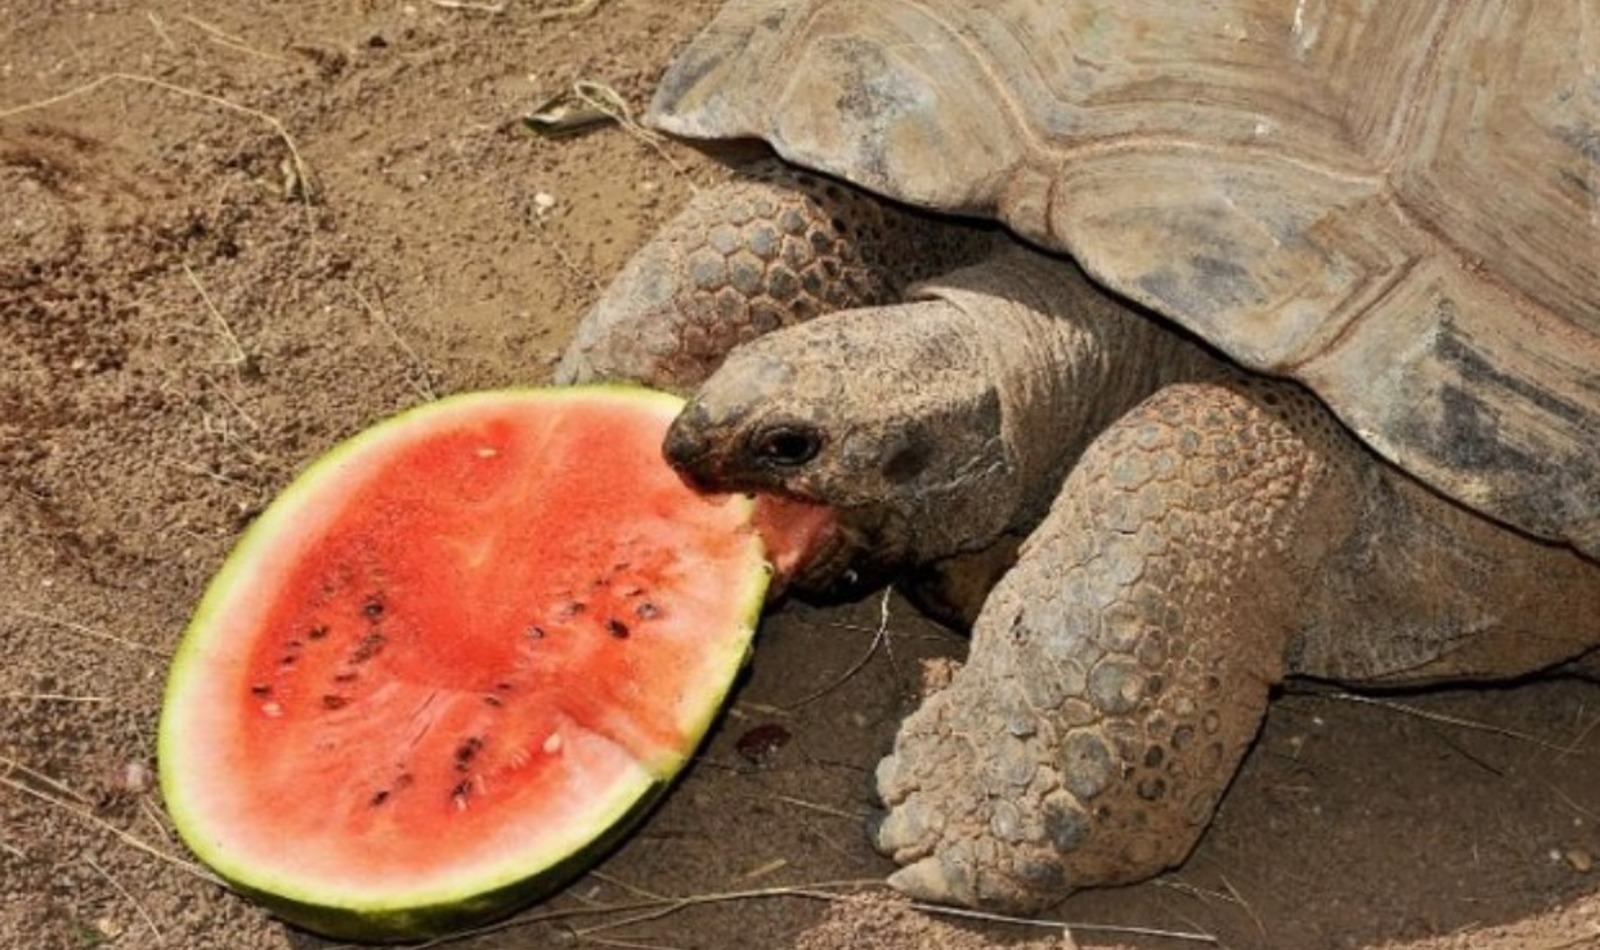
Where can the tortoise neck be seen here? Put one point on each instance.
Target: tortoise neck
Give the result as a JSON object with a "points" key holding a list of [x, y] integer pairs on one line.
{"points": [[1068, 359]]}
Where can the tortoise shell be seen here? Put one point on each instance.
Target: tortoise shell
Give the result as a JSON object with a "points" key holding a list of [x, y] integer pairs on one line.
{"points": [[1397, 204]]}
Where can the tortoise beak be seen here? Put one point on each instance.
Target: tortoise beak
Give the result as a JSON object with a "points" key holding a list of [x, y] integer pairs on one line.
{"points": [[689, 449]]}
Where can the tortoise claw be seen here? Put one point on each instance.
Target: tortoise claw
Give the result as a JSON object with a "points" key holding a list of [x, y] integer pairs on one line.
{"points": [[938, 880], [906, 832]]}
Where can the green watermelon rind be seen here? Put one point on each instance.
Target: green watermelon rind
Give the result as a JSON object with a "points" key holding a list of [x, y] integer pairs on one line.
{"points": [[426, 913]]}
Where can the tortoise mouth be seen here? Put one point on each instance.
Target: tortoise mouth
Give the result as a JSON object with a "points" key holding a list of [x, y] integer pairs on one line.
{"points": [[828, 568], [823, 551], [803, 541]]}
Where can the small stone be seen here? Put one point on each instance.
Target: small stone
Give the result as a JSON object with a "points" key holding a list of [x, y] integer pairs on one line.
{"points": [[133, 777], [1579, 860]]}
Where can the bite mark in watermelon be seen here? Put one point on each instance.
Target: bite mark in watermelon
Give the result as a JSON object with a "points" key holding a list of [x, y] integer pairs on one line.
{"points": [[447, 667]]}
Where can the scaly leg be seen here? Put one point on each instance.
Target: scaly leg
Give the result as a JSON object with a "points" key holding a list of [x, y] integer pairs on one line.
{"points": [[1120, 671]]}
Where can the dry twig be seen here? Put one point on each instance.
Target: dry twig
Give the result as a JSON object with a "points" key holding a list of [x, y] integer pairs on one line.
{"points": [[420, 378], [302, 172], [90, 632], [605, 99], [207, 473], [161, 31], [494, 9], [664, 905], [130, 840], [221, 38], [138, 907], [1250, 911], [879, 638], [52, 698], [580, 9], [1443, 719], [239, 357], [12, 765], [1064, 926], [560, 251]]}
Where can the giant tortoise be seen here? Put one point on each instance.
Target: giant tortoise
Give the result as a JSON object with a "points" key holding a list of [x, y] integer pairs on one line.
{"points": [[1323, 399]]}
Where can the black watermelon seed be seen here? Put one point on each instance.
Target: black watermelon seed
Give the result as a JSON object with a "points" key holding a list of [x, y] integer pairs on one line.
{"points": [[573, 609], [617, 628], [647, 611], [261, 689], [373, 608], [466, 751], [503, 687], [379, 797], [461, 791], [317, 632], [369, 647], [535, 632], [288, 660], [493, 700], [347, 676], [334, 701]]}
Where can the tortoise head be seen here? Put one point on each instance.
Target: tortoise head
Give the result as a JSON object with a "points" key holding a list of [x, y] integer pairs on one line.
{"points": [[885, 415]]}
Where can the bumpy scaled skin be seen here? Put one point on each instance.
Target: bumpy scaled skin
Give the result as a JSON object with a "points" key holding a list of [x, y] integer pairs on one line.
{"points": [[1119, 673], [774, 247], [1217, 538]]}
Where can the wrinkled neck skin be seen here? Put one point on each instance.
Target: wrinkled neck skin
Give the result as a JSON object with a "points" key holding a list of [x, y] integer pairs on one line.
{"points": [[1066, 359], [939, 424]]}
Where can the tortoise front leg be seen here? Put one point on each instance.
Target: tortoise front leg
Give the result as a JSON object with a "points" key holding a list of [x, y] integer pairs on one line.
{"points": [[1119, 673], [772, 247]]}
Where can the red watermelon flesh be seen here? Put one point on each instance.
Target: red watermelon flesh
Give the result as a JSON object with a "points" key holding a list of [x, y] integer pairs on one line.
{"points": [[456, 655]]}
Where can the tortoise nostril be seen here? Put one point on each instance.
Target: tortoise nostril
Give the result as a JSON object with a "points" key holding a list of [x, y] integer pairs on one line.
{"points": [[686, 444]]}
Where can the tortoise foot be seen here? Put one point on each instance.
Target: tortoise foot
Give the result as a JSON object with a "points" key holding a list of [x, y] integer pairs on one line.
{"points": [[982, 809]]}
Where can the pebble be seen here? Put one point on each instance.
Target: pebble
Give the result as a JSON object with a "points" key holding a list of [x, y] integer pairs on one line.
{"points": [[1579, 860], [133, 777]]}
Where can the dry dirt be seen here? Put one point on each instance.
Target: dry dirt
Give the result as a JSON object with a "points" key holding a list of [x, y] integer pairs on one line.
{"points": [[232, 235]]}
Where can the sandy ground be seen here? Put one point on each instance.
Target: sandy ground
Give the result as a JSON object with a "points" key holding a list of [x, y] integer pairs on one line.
{"points": [[234, 234]]}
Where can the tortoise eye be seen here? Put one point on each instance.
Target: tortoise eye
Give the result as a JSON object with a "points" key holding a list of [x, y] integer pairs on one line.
{"points": [[787, 446]]}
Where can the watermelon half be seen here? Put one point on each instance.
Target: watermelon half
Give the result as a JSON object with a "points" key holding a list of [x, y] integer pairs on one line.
{"points": [[455, 659]]}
